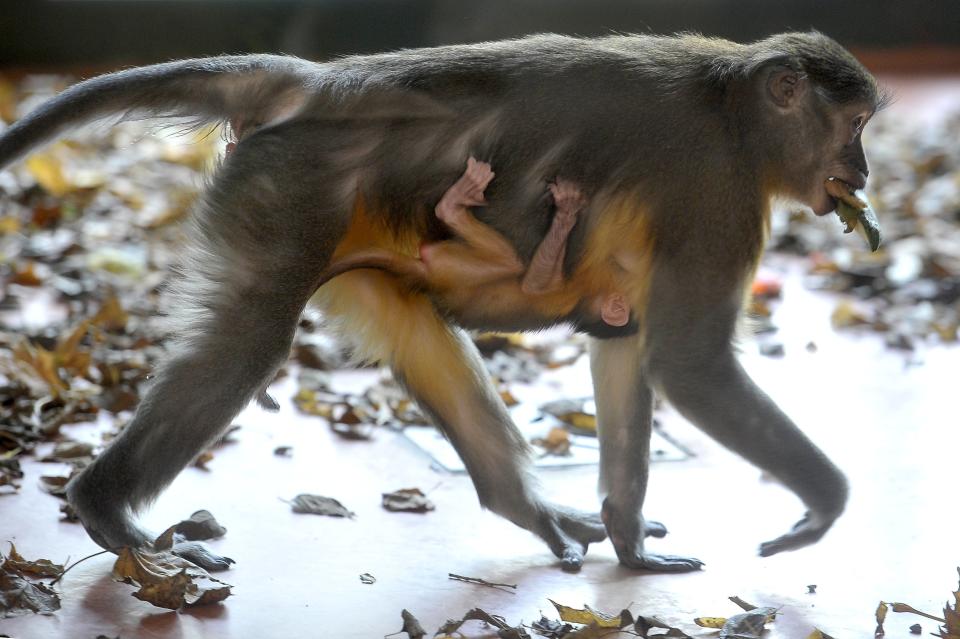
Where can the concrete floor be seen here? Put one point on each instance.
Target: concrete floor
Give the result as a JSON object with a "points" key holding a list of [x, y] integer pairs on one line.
{"points": [[890, 424]]}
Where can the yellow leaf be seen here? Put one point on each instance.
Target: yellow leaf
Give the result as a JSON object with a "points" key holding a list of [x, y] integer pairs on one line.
{"points": [[9, 224], [579, 420], [111, 315], [710, 622], [48, 172], [586, 616]]}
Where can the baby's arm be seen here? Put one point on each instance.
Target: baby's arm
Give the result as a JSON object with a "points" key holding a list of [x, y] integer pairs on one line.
{"points": [[545, 272]]}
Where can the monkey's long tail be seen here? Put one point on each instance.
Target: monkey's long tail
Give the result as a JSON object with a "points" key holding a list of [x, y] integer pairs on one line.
{"points": [[251, 87]]}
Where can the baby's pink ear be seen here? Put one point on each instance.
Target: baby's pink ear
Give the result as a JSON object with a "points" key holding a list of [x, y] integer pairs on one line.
{"points": [[614, 310]]}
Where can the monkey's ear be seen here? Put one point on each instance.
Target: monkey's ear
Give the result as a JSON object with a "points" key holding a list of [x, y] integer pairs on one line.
{"points": [[614, 310], [786, 87]]}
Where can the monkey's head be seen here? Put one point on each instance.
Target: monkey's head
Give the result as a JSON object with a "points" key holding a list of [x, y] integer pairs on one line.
{"points": [[815, 100]]}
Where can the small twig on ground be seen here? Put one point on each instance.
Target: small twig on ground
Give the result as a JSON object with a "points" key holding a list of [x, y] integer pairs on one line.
{"points": [[70, 567], [483, 582]]}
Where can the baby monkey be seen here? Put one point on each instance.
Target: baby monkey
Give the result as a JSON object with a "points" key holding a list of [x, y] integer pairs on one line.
{"points": [[482, 267]]}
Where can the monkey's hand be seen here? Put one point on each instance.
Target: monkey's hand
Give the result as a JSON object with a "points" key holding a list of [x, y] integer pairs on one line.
{"points": [[807, 531], [627, 534], [467, 191]]}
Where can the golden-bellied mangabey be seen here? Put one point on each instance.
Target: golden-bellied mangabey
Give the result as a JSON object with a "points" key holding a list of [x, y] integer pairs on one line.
{"points": [[679, 144]]}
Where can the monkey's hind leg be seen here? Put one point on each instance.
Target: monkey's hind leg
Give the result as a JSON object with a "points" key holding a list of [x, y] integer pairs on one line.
{"points": [[441, 368], [624, 419], [234, 314]]}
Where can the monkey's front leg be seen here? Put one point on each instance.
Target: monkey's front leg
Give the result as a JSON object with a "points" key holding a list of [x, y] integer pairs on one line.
{"points": [[697, 370], [624, 419], [441, 368]]}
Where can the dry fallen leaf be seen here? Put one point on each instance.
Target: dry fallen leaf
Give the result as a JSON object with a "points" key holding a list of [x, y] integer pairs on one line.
{"points": [[411, 626], [168, 581], [411, 500], [319, 505], [747, 625], [881, 615], [14, 562], [557, 442], [200, 526], [20, 596], [590, 616]]}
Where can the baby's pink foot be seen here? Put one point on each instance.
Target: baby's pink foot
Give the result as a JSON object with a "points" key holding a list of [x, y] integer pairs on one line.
{"points": [[467, 191]]}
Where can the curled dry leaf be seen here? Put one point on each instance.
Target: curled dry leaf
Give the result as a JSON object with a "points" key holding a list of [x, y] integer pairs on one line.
{"points": [[319, 505], [168, 581], [747, 625], [200, 526], [557, 442], [367, 578], [14, 562], [588, 615], [411, 626], [19, 595], [411, 500]]}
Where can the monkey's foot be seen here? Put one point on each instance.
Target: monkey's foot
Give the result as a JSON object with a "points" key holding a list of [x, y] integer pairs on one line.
{"points": [[807, 531], [108, 523], [467, 191], [568, 533], [627, 534]]}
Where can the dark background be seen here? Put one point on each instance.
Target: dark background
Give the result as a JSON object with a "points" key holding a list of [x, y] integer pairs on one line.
{"points": [[59, 34]]}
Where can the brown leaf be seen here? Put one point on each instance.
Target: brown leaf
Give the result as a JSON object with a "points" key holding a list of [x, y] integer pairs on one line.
{"points": [[168, 581], [411, 626], [411, 500], [38, 568], [557, 442], [19, 596], [55, 485], [200, 526], [319, 505]]}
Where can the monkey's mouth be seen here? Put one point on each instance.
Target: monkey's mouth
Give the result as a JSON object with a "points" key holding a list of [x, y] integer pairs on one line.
{"points": [[842, 191], [854, 210]]}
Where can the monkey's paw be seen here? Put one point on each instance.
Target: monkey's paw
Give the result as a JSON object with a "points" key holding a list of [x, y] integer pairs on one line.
{"points": [[568, 533], [807, 531]]}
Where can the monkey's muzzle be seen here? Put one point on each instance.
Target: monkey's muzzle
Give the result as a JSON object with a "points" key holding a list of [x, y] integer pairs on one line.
{"points": [[854, 210]]}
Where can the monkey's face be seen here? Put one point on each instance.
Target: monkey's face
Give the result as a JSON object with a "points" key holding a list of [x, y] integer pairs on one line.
{"points": [[843, 157], [820, 139]]}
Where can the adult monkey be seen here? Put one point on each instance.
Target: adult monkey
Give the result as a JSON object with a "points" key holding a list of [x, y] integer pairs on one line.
{"points": [[679, 144]]}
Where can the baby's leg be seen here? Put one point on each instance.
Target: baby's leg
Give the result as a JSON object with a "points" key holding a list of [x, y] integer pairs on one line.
{"points": [[483, 246], [545, 273]]}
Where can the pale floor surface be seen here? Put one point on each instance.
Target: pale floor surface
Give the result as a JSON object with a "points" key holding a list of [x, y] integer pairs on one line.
{"points": [[892, 427]]}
